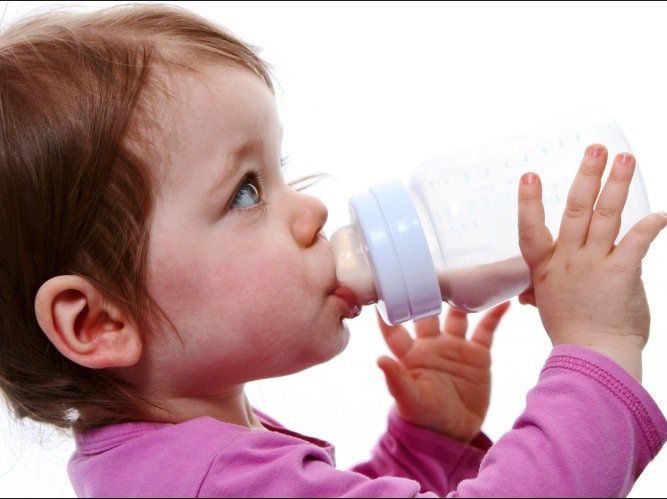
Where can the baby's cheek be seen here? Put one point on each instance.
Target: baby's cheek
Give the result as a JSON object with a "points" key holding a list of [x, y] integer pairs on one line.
{"points": [[177, 281], [271, 288], [268, 282]]}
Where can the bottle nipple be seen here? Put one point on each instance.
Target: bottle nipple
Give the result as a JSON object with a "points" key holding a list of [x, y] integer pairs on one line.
{"points": [[352, 267]]}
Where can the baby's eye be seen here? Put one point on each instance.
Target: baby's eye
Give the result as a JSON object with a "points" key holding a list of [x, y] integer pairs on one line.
{"points": [[247, 196]]}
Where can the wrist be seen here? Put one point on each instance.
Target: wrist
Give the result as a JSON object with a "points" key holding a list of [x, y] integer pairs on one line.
{"points": [[626, 354], [463, 435], [435, 429]]}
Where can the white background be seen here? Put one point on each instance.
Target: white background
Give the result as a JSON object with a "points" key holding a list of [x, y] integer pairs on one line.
{"points": [[366, 92]]}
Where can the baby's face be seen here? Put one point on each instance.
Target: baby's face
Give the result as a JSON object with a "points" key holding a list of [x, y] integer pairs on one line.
{"points": [[241, 267]]}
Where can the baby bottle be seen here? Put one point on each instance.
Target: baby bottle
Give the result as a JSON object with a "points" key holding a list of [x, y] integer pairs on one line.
{"points": [[451, 233]]}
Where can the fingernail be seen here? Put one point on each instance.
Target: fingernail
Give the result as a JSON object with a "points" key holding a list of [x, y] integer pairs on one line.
{"points": [[529, 178], [626, 158], [594, 151]]}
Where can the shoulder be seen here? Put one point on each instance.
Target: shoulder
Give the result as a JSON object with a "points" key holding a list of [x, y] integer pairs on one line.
{"points": [[139, 459], [287, 464]]}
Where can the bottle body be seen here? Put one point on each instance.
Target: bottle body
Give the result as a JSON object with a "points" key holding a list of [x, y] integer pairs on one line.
{"points": [[470, 281], [466, 206]]}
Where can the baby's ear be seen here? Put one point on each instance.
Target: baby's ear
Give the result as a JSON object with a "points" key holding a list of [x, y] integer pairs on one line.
{"points": [[83, 326]]}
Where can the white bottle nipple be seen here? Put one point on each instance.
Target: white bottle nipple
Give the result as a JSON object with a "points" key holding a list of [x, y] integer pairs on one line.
{"points": [[352, 267]]}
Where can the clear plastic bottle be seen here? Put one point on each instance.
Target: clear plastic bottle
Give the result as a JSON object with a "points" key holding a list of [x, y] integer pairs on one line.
{"points": [[451, 234]]}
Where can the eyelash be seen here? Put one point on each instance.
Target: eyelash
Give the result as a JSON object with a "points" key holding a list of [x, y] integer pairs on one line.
{"points": [[258, 178], [255, 178]]}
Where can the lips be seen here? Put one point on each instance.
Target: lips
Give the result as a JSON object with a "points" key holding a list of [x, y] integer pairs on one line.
{"points": [[354, 309]]}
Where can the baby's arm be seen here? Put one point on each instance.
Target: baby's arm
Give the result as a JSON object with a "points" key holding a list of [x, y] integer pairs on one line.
{"points": [[437, 462], [589, 429]]}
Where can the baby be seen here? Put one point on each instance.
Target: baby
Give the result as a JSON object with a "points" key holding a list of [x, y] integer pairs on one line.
{"points": [[154, 260]]}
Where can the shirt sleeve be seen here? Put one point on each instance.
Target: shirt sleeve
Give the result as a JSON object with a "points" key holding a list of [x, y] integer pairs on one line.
{"points": [[589, 429], [437, 462]]}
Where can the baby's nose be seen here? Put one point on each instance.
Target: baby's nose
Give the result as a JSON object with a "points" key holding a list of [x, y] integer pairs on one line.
{"points": [[309, 218]]}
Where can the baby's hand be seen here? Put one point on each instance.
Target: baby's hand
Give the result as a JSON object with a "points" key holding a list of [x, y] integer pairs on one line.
{"points": [[442, 381], [588, 290]]}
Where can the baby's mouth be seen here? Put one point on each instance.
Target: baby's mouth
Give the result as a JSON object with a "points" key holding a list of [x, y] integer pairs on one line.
{"points": [[353, 307]]}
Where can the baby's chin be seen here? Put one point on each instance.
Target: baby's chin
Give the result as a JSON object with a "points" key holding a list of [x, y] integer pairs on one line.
{"points": [[325, 346], [343, 334]]}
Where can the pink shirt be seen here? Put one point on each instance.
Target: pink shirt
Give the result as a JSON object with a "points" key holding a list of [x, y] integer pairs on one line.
{"points": [[588, 429]]}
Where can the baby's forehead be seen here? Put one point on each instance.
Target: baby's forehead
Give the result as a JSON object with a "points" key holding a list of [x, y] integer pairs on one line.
{"points": [[215, 112]]}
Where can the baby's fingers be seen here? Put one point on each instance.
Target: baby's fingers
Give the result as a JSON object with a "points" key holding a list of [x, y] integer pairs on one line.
{"points": [[483, 334], [635, 244], [456, 323], [581, 198], [428, 328], [399, 382], [606, 219], [535, 240], [397, 337]]}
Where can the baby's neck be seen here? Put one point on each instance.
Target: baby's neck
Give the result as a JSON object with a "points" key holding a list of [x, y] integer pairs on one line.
{"points": [[230, 407]]}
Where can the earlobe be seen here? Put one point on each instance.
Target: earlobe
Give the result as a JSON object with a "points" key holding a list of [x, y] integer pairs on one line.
{"points": [[83, 326]]}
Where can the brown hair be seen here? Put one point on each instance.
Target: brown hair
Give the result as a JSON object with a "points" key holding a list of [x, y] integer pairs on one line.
{"points": [[76, 195]]}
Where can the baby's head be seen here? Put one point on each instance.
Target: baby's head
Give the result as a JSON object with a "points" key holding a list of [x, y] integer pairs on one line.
{"points": [[150, 249]]}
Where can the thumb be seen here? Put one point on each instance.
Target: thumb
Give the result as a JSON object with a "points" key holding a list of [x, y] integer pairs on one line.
{"points": [[400, 383]]}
